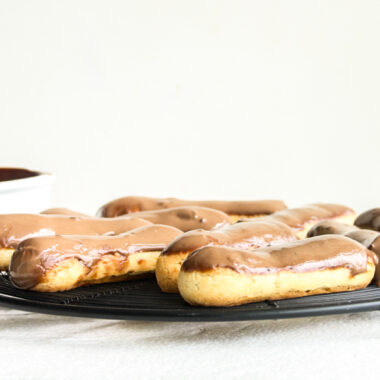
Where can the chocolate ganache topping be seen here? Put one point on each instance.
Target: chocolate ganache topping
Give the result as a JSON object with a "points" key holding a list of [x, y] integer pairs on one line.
{"points": [[298, 217], [17, 227], [131, 204], [34, 257], [318, 253], [186, 218], [11, 174], [370, 239], [369, 219], [246, 235]]}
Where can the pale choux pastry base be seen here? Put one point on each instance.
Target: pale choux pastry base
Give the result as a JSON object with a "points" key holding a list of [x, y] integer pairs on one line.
{"points": [[72, 273], [5, 257], [225, 287], [167, 271]]}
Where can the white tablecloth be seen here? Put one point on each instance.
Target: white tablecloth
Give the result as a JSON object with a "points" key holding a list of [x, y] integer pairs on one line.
{"points": [[36, 346]]}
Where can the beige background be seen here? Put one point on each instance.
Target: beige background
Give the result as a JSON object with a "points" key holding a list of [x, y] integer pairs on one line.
{"points": [[204, 99]]}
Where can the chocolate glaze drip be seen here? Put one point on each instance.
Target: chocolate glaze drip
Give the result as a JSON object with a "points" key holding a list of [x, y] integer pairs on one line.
{"points": [[247, 235], [298, 217], [131, 204], [61, 211], [369, 219], [33, 257], [17, 227], [186, 218], [10, 174], [370, 239], [318, 253]]}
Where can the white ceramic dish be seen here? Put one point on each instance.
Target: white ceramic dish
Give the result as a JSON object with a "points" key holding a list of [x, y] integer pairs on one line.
{"points": [[24, 191]]}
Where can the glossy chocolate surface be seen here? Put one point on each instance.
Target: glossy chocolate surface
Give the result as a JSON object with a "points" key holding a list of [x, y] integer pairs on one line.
{"points": [[365, 237], [369, 219], [186, 218], [298, 217], [131, 204], [318, 253], [15, 228], [33, 257], [370, 239], [245, 235]]}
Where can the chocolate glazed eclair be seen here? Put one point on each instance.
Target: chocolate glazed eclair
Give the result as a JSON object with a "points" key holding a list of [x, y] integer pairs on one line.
{"points": [[222, 276], [186, 218], [248, 235], [369, 220], [370, 239], [15, 228], [235, 209], [57, 263], [301, 219]]}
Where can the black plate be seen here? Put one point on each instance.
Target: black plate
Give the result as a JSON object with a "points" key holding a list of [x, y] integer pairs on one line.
{"points": [[142, 299]]}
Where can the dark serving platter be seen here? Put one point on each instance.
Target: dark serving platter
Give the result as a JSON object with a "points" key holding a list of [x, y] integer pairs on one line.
{"points": [[143, 300]]}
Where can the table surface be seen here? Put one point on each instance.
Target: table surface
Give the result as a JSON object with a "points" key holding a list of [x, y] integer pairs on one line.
{"points": [[36, 346]]}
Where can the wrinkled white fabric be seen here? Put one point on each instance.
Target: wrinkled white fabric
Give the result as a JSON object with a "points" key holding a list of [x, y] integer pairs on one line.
{"points": [[36, 346]]}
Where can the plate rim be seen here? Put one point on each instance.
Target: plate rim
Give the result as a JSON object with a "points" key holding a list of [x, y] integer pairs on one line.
{"points": [[191, 315]]}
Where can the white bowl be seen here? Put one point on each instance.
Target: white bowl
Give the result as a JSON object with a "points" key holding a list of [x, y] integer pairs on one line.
{"points": [[24, 191]]}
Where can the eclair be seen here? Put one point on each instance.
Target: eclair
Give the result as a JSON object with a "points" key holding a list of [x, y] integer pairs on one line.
{"points": [[303, 218], [222, 276], [369, 238], [58, 263], [248, 235], [186, 218], [369, 220], [235, 209], [15, 228]]}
